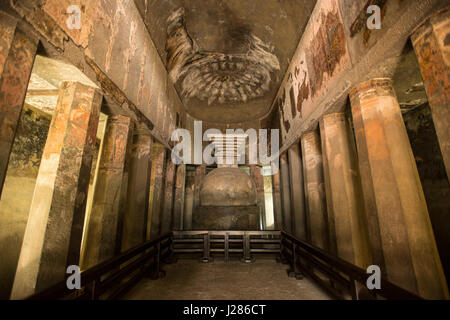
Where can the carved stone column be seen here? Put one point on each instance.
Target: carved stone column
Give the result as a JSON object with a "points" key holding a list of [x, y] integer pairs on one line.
{"points": [[54, 230], [256, 174], [401, 236], [285, 194], [102, 230], [178, 206], [431, 43], [346, 217], [316, 206], [135, 216], [167, 217], [189, 200], [200, 173], [277, 210], [297, 191], [17, 52], [157, 201]]}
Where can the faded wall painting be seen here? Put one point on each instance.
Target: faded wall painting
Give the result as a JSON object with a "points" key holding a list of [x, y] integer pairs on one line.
{"points": [[322, 57]]}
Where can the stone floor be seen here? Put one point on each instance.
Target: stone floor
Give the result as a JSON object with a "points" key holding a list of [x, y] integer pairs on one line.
{"points": [[193, 280]]}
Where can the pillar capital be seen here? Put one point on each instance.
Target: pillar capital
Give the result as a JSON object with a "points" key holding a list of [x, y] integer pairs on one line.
{"points": [[119, 119], [333, 116], [371, 88]]}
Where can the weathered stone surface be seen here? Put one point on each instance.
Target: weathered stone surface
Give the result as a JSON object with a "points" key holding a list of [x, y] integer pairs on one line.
{"points": [[431, 42], [316, 206], [127, 169], [135, 217], [32, 12], [230, 187], [115, 43], [53, 235], [346, 219], [224, 27], [277, 209], [189, 198], [226, 218], [17, 193], [435, 184], [200, 174], [258, 179], [7, 29], [285, 194], [401, 236], [157, 200], [242, 77], [178, 206], [297, 192], [169, 188], [17, 52], [102, 228]]}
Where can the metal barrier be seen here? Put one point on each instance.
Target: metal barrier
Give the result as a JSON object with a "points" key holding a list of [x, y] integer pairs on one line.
{"points": [[342, 279], [226, 243], [112, 278]]}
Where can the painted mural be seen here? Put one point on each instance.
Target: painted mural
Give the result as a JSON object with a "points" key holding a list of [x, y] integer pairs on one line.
{"points": [[309, 74]]}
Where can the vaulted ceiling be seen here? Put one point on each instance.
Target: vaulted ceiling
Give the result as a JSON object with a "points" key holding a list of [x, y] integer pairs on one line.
{"points": [[226, 57]]}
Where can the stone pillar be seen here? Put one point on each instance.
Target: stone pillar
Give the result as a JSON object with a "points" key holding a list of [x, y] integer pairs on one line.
{"points": [[178, 206], [316, 206], [431, 45], [135, 215], [126, 179], [102, 229], [159, 162], [277, 209], [297, 192], [52, 239], [257, 177], [285, 194], [200, 173], [17, 52], [167, 212], [188, 202], [401, 236], [346, 218]]}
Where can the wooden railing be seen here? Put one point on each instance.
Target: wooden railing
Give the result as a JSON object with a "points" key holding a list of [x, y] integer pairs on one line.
{"points": [[242, 243], [112, 278], [340, 278]]}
